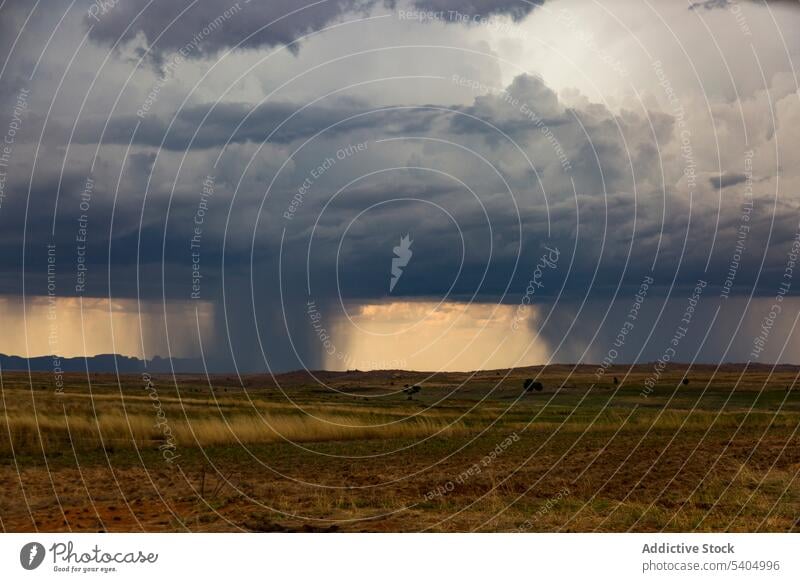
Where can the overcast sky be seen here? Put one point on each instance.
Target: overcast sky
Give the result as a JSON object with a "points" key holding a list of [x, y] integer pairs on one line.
{"points": [[236, 177]]}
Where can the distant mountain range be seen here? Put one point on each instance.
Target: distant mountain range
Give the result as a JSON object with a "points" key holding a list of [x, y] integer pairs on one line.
{"points": [[103, 363]]}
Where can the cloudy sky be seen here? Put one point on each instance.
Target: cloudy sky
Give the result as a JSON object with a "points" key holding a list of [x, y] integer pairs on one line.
{"points": [[426, 184]]}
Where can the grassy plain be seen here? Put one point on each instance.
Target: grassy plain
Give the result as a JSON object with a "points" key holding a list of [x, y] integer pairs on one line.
{"points": [[350, 452]]}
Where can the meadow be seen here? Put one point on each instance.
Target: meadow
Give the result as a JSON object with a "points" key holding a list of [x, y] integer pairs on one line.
{"points": [[351, 451]]}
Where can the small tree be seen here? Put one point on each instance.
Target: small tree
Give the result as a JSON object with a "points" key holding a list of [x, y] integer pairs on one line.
{"points": [[685, 381], [530, 385], [616, 380], [410, 391]]}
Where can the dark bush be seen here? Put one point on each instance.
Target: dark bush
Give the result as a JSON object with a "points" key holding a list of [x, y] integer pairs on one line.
{"points": [[529, 385], [410, 391]]}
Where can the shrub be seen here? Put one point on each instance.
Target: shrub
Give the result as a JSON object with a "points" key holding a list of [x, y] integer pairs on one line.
{"points": [[410, 391], [529, 385]]}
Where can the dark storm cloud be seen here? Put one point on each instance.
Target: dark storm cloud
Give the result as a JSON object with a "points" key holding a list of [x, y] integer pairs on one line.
{"points": [[208, 26], [603, 235], [14, 32], [218, 124], [12, 16], [212, 25], [709, 4], [727, 179], [516, 9]]}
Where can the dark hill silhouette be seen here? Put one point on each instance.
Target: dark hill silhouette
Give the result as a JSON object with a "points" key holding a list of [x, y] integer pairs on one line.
{"points": [[102, 363]]}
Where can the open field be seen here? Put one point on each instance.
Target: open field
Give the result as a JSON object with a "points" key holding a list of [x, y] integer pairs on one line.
{"points": [[350, 452]]}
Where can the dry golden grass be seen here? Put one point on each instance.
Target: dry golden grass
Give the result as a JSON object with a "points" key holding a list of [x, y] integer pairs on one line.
{"points": [[30, 433]]}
